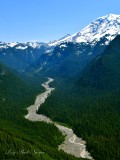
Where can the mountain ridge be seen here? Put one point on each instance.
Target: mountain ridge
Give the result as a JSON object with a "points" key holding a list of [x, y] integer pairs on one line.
{"points": [[76, 49], [86, 34], [109, 20], [90, 103]]}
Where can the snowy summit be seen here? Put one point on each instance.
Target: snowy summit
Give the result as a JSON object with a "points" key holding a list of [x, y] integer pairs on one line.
{"points": [[108, 26]]}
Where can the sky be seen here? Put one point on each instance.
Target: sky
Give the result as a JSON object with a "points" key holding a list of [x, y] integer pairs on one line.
{"points": [[48, 20]]}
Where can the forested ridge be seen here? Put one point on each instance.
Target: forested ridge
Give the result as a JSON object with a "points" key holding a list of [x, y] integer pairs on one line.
{"points": [[19, 138], [90, 104]]}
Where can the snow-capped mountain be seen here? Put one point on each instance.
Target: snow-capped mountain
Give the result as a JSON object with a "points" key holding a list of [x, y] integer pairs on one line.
{"points": [[108, 26], [68, 55], [22, 46], [19, 56], [56, 42]]}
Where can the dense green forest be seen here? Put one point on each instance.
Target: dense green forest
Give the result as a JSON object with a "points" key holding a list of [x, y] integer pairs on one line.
{"points": [[90, 104], [19, 138]]}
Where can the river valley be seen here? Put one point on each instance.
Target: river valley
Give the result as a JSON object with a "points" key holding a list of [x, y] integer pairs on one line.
{"points": [[72, 145]]}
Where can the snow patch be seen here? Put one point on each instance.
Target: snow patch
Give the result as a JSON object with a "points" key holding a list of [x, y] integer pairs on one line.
{"points": [[22, 48], [12, 44], [63, 45]]}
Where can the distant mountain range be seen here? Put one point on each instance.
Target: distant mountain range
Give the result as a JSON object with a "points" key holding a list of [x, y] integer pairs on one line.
{"points": [[108, 26], [54, 57]]}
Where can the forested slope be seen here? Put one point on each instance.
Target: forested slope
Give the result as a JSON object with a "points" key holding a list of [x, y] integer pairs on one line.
{"points": [[19, 138], [92, 105]]}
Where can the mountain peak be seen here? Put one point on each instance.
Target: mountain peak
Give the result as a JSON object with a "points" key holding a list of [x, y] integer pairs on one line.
{"points": [[61, 40], [110, 16], [108, 26]]}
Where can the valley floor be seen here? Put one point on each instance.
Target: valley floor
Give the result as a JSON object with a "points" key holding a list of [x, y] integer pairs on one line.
{"points": [[72, 145]]}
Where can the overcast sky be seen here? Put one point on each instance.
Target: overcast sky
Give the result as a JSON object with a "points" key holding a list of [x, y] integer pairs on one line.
{"points": [[45, 20]]}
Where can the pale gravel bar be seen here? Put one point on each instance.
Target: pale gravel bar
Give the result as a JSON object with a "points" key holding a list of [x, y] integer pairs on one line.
{"points": [[72, 145]]}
